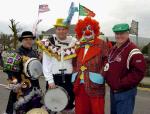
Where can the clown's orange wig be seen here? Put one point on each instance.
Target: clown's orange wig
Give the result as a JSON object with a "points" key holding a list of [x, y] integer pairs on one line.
{"points": [[83, 23]]}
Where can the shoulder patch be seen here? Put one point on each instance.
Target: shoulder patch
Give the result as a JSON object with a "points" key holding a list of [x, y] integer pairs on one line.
{"points": [[138, 61], [132, 52]]}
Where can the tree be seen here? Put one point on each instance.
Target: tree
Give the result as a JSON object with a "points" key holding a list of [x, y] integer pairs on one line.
{"points": [[41, 36], [14, 28], [5, 40], [145, 49]]}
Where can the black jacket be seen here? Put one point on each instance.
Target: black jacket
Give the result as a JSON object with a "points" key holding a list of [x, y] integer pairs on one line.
{"points": [[27, 52], [30, 53]]}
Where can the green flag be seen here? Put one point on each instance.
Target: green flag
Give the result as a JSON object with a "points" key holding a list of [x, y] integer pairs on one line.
{"points": [[83, 11]]}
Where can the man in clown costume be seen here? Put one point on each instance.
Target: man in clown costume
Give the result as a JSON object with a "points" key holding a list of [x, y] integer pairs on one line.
{"points": [[89, 85]]}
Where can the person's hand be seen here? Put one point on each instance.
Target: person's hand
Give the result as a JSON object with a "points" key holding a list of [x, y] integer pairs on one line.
{"points": [[14, 87], [51, 85], [14, 81]]}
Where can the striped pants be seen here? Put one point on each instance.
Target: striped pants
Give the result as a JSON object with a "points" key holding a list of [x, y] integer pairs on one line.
{"points": [[123, 102]]}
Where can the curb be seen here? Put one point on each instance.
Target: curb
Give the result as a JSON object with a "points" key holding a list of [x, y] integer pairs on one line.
{"points": [[141, 87], [144, 85], [144, 89]]}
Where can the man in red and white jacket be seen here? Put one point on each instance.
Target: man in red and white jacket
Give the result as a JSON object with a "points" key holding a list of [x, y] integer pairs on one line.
{"points": [[123, 72]]}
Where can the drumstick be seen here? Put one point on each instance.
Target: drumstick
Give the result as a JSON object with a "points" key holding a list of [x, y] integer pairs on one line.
{"points": [[5, 86]]}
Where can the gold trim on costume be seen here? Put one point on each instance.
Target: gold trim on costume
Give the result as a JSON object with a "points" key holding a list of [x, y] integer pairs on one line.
{"points": [[51, 53]]}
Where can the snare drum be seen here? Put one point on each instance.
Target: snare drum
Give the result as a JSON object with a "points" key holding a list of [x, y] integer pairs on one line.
{"points": [[33, 68], [37, 111], [56, 99]]}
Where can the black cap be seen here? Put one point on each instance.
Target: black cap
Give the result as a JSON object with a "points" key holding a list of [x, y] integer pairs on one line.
{"points": [[26, 34]]}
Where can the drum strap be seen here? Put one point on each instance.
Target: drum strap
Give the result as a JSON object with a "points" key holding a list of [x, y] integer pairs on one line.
{"points": [[66, 78], [63, 74]]}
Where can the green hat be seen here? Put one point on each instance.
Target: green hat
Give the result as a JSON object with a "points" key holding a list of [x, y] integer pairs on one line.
{"points": [[121, 27]]}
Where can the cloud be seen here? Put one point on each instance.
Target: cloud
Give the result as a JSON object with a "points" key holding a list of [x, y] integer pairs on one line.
{"points": [[137, 10], [108, 13], [4, 27]]}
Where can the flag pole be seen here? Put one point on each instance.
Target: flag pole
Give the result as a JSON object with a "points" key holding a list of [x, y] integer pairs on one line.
{"points": [[79, 12], [137, 42], [35, 29], [134, 30], [36, 26]]}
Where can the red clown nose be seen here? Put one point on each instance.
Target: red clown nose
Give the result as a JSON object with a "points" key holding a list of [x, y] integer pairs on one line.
{"points": [[88, 32]]}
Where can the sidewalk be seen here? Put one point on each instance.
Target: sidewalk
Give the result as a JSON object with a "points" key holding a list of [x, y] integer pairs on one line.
{"points": [[145, 82], [1, 68]]}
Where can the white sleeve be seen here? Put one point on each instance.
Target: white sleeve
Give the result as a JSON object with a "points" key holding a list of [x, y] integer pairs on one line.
{"points": [[47, 68]]}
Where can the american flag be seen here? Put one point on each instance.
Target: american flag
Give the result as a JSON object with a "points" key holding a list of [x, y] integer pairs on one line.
{"points": [[43, 8]]}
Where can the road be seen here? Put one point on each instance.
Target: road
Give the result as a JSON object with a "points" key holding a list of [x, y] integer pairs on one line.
{"points": [[142, 99]]}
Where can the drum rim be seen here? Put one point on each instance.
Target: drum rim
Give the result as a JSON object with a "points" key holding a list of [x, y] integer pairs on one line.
{"points": [[26, 66], [30, 72], [41, 109], [61, 88]]}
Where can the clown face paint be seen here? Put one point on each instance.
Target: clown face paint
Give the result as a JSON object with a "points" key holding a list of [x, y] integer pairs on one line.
{"points": [[88, 33]]}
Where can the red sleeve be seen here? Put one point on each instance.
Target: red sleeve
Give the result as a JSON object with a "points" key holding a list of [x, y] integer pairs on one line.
{"points": [[136, 73], [104, 60], [105, 51], [110, 45]]}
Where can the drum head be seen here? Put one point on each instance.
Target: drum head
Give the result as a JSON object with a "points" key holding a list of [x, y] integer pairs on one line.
{"points": [[56, 99], [33, 68], [37, 111]]}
